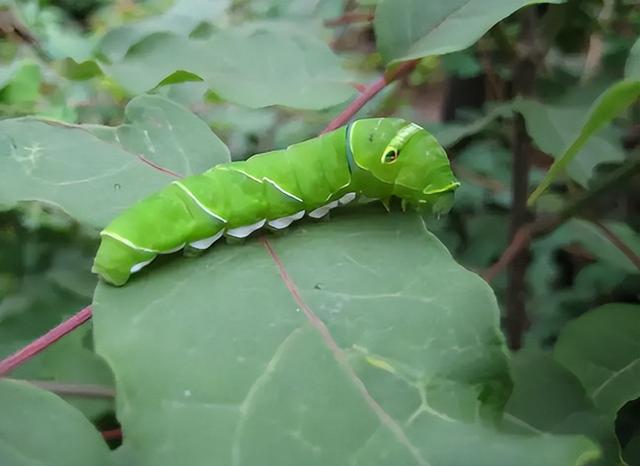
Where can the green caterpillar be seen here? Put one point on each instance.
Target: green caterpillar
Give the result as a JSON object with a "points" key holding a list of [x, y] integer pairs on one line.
{"points": [[375, 158]]}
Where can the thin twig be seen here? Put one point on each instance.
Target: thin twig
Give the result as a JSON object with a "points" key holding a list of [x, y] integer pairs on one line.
{"points": [[349, 18], [369, 93], [525, 72], [618, 242], [113, 434], [520, 241], [36, 346], [71, 389], [615, 181]]}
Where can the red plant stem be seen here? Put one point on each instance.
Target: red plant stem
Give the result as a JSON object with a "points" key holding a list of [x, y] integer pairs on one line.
{"points": [[53, 335], [369, 93], [617, 242], [113, 434], [519, 242]]}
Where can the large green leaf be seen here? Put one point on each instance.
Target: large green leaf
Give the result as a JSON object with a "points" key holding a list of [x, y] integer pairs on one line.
{"points": [[252, 65], [610, 104], [391, 355], [72, 168], [553, 128], [601, 349], [168, 134], [181, 19], [38, 428], [409, 29], [547, 398]]}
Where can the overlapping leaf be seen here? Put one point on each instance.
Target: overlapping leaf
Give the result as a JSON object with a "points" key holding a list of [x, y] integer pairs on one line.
{"points": [[256, 65], [610, 377], [70, 167], [553, 128], [610, 104], [409, 29], [37, 427]]}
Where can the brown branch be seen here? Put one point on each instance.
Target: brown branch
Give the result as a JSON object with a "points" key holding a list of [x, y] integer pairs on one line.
{"points": [[614, 181], [23, 355], [369, 93], [69, 389], [113, 434], [349, 18], [518, 259], [519, 242], [617, 242]]}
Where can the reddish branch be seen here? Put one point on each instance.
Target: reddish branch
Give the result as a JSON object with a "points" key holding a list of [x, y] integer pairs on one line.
{"points": [[617, 180], [349, 18], [113, 434], [53, 335], [369, 93], [617, 242]]}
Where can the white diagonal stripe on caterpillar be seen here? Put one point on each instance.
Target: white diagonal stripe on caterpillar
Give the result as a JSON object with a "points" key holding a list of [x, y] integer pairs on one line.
{"points": [[198, 203], [282, 190], [128, 243]]}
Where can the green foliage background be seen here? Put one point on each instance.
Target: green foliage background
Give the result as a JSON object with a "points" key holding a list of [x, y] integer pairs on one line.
{"points": [[397, 355]]}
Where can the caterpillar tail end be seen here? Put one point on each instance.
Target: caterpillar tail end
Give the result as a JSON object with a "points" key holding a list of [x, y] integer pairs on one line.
{"points": [[115, 262]]}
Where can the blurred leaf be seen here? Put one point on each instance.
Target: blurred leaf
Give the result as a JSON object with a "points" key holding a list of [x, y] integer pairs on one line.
{"points": [[548, 398], [632, 69], [612, 376], [463, 64], [553, 128], [298, 9], [449, 134], [632, 451], [38, 428], [410, 29], [610, 104], [181, 19], [381, 369], [168, 134], [592, 238], [21, 83], [255, 66], [489, 238]]}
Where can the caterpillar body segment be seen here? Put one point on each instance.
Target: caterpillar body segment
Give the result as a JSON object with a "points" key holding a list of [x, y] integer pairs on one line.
{"points": [[375, 158]]}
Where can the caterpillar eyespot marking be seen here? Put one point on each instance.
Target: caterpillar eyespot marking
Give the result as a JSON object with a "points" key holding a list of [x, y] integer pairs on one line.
{"points": [[374, 158]]}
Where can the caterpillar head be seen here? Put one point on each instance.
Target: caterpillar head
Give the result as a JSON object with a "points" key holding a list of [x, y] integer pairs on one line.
{"points": [[399, 158]]}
